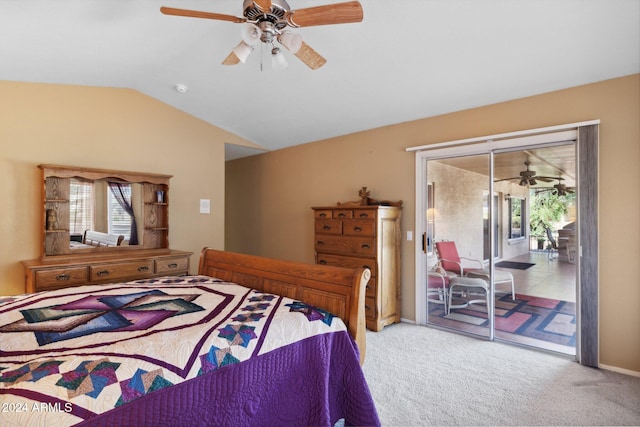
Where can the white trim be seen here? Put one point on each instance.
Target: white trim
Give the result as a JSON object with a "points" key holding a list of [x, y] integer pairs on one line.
{"points": [[619, 370], [487, 146], [507, 135], [421, 257]]}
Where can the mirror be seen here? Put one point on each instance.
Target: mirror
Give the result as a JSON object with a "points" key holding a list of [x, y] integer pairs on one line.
{"points": [[95, 206], [97, 210]]}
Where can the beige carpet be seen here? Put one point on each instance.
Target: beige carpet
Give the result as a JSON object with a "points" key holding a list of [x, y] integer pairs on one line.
{"points": [[421, 376]]}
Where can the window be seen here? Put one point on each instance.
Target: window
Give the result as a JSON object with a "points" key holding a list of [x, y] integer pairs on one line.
{"points": [[118, 219], [517, 218], [81, 214]]}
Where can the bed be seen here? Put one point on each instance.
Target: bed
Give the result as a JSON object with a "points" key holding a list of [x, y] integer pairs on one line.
{"points": [[247, 341]]}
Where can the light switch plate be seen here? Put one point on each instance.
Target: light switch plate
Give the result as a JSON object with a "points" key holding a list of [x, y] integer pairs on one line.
{"points": [[205, 206]]}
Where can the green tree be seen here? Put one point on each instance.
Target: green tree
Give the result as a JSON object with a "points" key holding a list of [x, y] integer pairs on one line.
{"points": [[547, 208]]}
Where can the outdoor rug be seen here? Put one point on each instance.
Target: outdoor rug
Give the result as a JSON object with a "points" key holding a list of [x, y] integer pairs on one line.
{"points": [[514, 265], [544, 319]]}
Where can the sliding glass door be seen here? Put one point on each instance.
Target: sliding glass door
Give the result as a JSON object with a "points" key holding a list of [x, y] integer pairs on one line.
{"points": [[501, 244], [459, 221], [538, 261]]}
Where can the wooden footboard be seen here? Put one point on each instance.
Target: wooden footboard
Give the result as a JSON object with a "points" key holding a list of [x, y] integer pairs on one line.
{"points": [[335, 289]]}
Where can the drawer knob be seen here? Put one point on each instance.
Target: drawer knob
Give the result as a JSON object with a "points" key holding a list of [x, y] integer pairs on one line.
{"points": [[143, 268], [366, 246], [172, 265], [63, 277], [356, 228], [364, 215], [326, 227], [342, 215], [319, 243], [322, 215], [103, 273], [322, 261]]}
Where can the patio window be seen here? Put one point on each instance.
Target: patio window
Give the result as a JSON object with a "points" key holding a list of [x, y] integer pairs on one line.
{"points": [[517, 218]]}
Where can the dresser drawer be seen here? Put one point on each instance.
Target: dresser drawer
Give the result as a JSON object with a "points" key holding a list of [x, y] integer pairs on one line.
{"points": [[328, 226], [370, 311], [324, 213], [61, 277], [172, 265], [371, 288], [346, 245], [358, 227], [365, 214], [346, 261], [343, 213], [122, 270]]}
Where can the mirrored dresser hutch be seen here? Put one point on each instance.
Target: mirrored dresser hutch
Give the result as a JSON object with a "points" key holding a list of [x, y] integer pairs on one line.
{"points": [[70, 259]]}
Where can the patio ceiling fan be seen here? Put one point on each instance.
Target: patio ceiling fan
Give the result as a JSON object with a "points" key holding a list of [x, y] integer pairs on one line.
{"points": [[528, 177], [266, 21], [558, 189]]}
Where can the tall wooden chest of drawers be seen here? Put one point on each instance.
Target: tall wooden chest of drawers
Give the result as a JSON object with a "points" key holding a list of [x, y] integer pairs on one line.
{"points": [[364, 236]]}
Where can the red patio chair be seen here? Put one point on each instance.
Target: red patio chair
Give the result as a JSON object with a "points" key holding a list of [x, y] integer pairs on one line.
{"points": [[452, 262]]}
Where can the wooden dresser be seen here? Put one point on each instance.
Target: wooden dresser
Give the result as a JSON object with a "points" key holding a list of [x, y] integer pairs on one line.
{"points": [[364, 236], [65, 262], [50, 273]]}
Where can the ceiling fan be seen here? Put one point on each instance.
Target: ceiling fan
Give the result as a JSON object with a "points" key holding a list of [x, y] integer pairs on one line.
{"points": [[266, 21], [528, 177], [558, 189]]}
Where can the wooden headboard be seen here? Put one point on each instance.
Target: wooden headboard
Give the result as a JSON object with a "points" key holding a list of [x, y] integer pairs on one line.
{"points": [[335, 289], [97, 238]]}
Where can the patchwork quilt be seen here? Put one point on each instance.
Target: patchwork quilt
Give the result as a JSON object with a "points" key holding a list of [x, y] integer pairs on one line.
{"points": [[176, 351]]}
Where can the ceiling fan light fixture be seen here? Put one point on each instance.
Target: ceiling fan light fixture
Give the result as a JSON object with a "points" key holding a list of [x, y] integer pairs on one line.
{"points": [[291, 41], [532, 181], [278, 61], [250, 34], [265, 20], [242, 51]]}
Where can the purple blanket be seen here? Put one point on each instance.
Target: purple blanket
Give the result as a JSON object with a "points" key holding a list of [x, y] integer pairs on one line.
{"points": [[315, 382]]}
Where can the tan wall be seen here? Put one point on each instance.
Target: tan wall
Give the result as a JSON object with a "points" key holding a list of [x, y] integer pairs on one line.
{"points": [[268, 196], [103, 128]]}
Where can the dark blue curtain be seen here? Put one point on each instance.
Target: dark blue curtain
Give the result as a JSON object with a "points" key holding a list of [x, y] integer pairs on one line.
{"points": [[125, 202]]}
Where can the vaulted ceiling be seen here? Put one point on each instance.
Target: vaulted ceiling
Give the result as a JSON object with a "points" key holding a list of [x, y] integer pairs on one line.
{"points": [[408, 59]]}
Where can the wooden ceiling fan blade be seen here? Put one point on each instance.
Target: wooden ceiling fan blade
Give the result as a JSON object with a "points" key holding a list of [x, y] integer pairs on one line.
{"points": [[310, 57], [339, 13], [200, 14]]}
